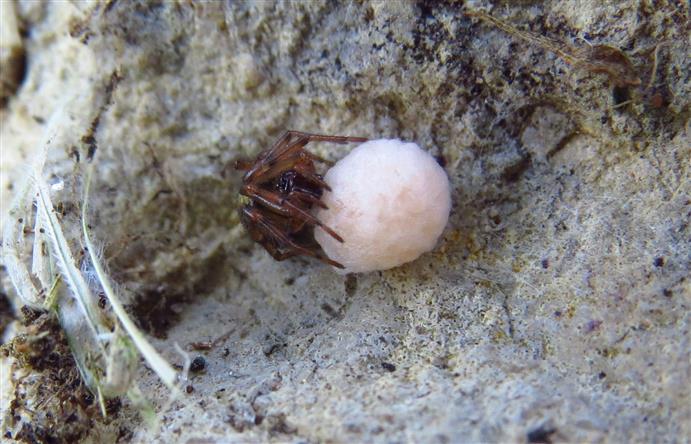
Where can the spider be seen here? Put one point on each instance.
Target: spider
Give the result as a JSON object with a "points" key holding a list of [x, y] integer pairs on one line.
{"points": [[282, 186]]}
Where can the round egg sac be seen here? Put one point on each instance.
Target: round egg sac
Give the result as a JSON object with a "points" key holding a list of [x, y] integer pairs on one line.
{"points": [[389, 201]]}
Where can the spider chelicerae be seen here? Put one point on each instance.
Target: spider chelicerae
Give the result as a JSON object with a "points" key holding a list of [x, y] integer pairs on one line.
{"points": [[282, 185]]}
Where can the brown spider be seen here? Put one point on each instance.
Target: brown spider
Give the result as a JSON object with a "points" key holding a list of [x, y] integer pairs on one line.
{"points": [[282, 186]]}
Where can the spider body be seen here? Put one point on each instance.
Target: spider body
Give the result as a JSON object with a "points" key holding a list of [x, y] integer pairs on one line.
{"points": [[282, 185]]}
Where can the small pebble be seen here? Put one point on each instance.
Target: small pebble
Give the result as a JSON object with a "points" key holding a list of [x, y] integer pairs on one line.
{"points": [[388, 367], [198, 364]]}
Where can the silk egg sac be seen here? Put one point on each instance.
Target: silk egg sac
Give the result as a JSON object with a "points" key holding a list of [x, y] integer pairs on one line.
{"points": [[389, 201]]}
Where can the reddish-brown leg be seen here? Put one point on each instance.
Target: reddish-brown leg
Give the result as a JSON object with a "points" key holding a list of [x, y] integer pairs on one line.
{"points": [[273, 233], [283, 255], [316, 158], [242, 165], [270, 170], [307, 198], [283, 206], [326, 138], [300, 162], [311, 175], [292, 141]]}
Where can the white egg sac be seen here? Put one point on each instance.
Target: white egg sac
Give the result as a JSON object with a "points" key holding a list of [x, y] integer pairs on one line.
{"points": [[389, 200]]}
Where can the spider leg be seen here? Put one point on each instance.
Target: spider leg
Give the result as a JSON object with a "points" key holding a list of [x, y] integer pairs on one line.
{"points": [[282, 255], [303, 139], [274, 233], [242, 165], [317, 158], [292, 141], [329, 261], [288, 141], [307, 197], [311, 175], [274, 161], [284, 207], [279, 255], [326, 138], [280, 142], [300, 162]]}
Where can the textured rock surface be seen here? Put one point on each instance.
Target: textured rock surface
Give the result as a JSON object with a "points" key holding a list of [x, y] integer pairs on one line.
{"points": [[557, 304]]}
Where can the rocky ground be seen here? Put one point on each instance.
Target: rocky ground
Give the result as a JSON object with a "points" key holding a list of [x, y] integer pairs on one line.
{"points": [[556, 306]]}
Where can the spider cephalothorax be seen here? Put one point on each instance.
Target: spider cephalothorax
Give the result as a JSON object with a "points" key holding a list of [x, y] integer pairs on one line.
{"points": [[282, 185]]}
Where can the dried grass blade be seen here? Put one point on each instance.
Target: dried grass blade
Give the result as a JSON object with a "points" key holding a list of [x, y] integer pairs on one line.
{"points": [[162, 368]]}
